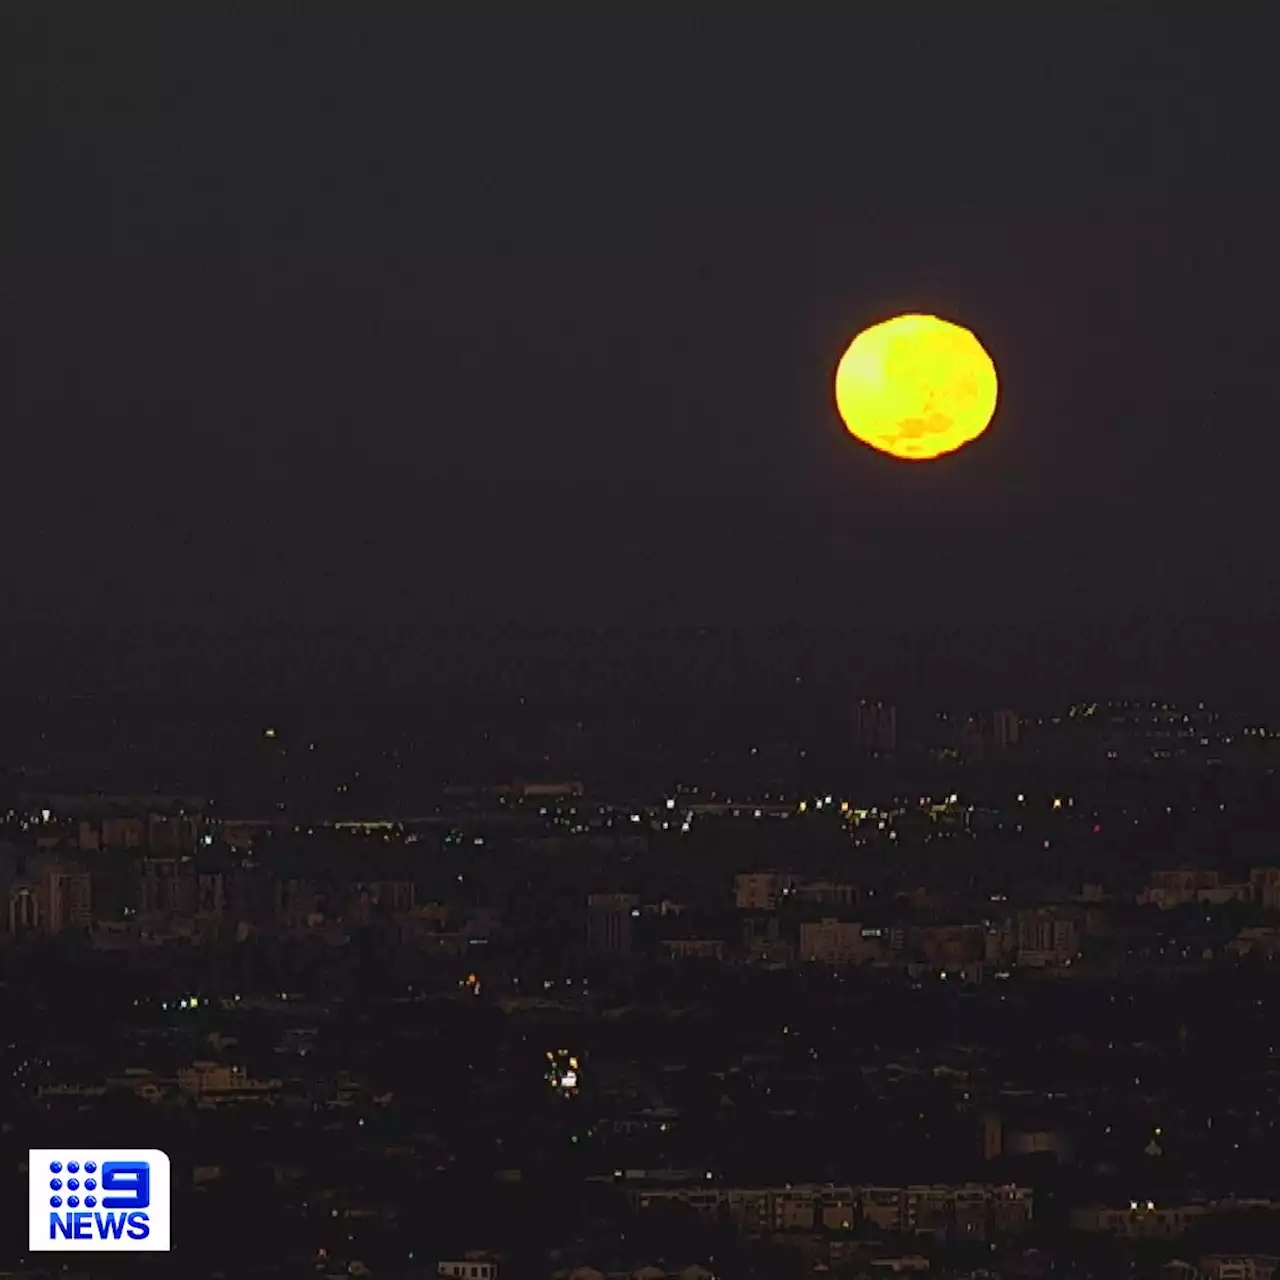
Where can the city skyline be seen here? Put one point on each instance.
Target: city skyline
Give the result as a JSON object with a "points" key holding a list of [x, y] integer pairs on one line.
{"points": [[503, 776]]}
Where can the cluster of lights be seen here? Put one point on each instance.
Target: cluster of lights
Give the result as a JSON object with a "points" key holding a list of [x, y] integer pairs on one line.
{"points": [[192, 1002], [563, 1072], [822, 802], [187, 1003]]}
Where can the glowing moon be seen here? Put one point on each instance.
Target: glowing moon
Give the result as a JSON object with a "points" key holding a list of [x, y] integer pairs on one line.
{"points": [[916, 387]]}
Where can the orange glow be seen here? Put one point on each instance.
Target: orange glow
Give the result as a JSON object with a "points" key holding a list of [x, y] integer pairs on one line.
{"points": [[916, 387]]}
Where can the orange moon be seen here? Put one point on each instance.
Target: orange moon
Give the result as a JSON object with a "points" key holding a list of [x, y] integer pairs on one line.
{"points": [[916, 387]]}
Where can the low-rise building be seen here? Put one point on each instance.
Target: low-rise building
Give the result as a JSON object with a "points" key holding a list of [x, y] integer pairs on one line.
{"points": [[695, 948], [1046, 937], [1140, 1219], [1256, 939], [1237, 1266], [830, 941], [478, 1268], [762, 890]]}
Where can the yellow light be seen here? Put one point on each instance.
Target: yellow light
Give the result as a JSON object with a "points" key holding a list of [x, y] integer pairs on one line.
{"points": [[916, 387]]}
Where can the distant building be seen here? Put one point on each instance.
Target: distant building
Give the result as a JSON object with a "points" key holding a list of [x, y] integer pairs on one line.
{"points": [[8, 871], [25, 915], [1250, 1266], [164, 823], [609, 922], [1257, 939], [112, 833], [174, 831], [988, 733], [1001, 1139], [211, 1080], [211, 893], [950, 946], [1004, 730], [973, 734], [695, 948], [167, 887], [1266, 886], [1046, 938], [827, 894], [764, 944], [1168, 889], [55, 895], [762, 890], [69, 897], [1139, 731], [875, 725], [1142, 1218], [251, 897], [968, 1211], [567, 790], [471, 1269], [838, 942], [397, 896]]}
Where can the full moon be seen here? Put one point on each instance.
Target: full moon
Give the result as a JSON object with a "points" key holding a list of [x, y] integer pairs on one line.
{"points": [[916, 387]]}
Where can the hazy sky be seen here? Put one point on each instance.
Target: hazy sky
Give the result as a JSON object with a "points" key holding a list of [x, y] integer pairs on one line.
{"points": [[345, 318]]}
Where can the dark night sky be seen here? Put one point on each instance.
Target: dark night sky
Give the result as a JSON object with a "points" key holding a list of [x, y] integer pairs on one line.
{"points": [[334, 318]]}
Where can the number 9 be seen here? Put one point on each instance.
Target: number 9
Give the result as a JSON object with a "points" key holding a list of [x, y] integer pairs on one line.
{"points": [[131, 1180]]}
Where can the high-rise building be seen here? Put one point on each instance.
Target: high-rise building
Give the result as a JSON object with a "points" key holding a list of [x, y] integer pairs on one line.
{"points": [[174, 831], [54, 896], [25, 915], [167, 887], [609, 917], [760, 890], [875, 725], [1046, 938], [975, 734], [1004, 731], [69, 897], [8, 871]]}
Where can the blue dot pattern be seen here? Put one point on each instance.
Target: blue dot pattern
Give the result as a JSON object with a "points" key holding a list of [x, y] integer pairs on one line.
{"points": [[72, 1184]]}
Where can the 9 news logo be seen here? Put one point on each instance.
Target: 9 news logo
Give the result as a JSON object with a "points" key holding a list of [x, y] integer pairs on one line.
{"points": [[95, 1200]]}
